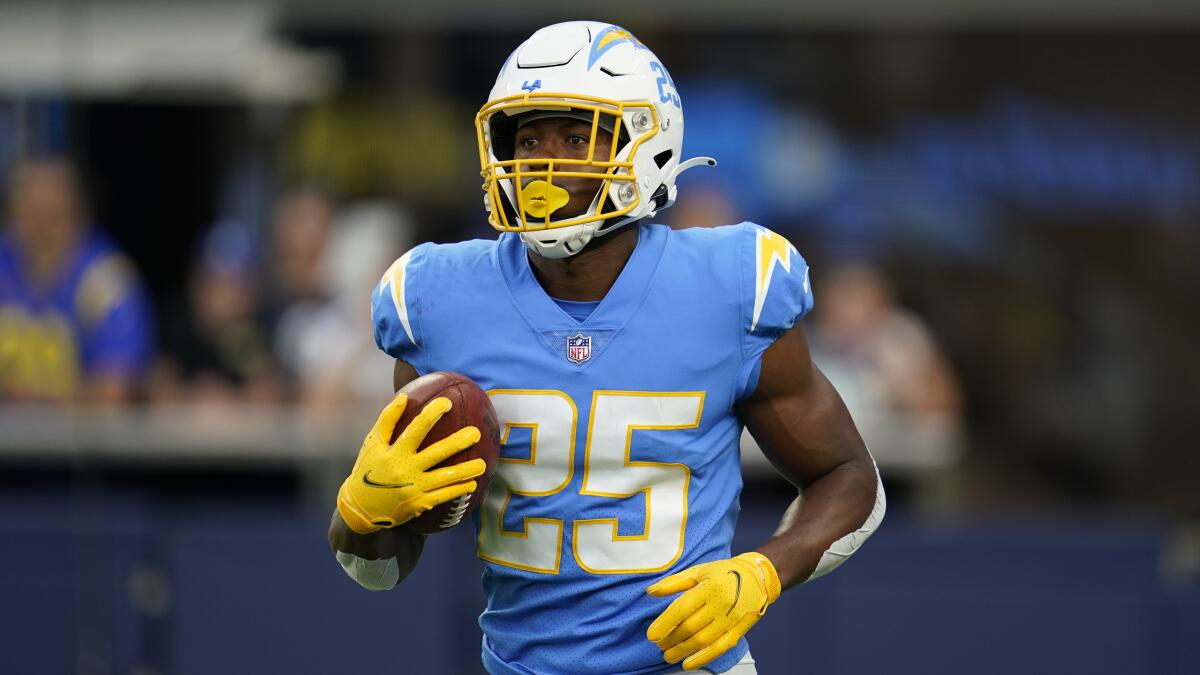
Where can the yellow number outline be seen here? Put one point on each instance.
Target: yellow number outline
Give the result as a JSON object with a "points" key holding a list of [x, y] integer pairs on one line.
{"points": [[524, 533], [687, 480], [613, 522], [533, 429]]}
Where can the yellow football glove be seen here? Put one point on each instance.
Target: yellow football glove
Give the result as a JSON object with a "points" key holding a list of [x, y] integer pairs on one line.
{"points": [[724, 599], [393, 483]]}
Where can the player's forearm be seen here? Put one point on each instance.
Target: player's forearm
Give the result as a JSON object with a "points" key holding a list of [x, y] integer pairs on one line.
{"points": [[400, 543], [831, 509]]}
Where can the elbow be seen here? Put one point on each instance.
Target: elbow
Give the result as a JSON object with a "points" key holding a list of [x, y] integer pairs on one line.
{"points": [[848, 545], [875, 498], [878, 501], [872, 499], [864, 490]]}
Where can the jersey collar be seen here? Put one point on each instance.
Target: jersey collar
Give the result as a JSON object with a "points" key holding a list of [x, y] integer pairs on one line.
{"points": [[621, 301]]}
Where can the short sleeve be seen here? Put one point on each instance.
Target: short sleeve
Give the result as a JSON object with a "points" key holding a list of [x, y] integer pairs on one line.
{"points": [[396, 309], [775, 295]]}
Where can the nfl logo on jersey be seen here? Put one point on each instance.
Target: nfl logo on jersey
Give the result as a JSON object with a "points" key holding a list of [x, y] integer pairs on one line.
{"points": [[579, 348]]}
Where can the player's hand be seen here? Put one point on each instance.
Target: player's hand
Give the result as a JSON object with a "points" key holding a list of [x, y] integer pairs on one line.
{"points": [[393, 483], [721, 601]]}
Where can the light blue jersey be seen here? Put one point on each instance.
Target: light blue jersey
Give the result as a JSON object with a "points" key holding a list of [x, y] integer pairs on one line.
{"points": [[620, 444]]}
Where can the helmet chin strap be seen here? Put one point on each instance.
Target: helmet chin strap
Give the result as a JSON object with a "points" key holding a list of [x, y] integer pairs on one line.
{"points": [[564, 247]]}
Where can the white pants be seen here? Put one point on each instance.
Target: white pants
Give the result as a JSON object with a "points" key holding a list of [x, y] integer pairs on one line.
{"points": [[743, 667]]}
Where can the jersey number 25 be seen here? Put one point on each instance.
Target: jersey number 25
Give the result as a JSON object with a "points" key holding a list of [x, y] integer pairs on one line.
{"points": [[551, 417]]}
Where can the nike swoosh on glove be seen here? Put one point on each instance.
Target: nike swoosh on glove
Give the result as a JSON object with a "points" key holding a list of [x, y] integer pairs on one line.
{"points": [[721, 600], [392, 483]]}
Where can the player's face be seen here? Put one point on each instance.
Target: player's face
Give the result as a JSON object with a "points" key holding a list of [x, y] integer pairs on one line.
{"points": [[565, 138]]}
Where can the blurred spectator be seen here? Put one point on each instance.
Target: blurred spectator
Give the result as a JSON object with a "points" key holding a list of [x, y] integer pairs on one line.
{"points": [[300, 232], [329, 346], [301, 226], [889, 370], [221, 351], [75, 322]]}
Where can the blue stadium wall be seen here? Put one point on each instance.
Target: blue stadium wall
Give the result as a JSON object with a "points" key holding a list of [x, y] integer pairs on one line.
{"points": [[115, 581]]}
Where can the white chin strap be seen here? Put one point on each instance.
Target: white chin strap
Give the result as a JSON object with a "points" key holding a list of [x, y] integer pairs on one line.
{"points": [[568, 241], [563, 242]]}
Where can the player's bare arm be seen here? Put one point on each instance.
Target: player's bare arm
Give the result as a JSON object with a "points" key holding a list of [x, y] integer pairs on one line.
{"points": [[402, 374], [806, 432]]}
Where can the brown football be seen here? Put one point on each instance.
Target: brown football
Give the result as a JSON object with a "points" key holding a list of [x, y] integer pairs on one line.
{"points": [[470, 407]]}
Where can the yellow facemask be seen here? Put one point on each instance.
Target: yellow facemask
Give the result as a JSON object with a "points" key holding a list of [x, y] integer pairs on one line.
{"points": [[537, 200]]}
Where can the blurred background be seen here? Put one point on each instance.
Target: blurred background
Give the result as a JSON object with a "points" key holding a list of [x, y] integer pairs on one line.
{"points": [[1000, 203]]}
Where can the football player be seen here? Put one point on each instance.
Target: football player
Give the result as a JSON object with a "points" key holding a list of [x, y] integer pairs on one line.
{"points": [[623, 359]]}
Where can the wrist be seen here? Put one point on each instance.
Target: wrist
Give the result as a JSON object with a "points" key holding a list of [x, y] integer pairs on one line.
{"points": [[767, 574], [355, 520], [794, 562]]}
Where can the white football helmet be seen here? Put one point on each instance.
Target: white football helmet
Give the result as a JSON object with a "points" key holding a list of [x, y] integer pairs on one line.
{"points": [[602, 74]]}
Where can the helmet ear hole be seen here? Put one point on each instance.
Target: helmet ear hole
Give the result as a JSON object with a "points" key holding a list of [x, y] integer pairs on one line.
{"points": [[663, 157]]}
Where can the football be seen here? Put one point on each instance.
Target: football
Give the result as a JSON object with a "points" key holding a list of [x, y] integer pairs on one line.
{"points": [[470, 407]]}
